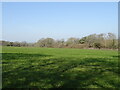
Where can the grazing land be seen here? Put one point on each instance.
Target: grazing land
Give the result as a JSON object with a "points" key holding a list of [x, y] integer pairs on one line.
{"points": [[33, 67]]}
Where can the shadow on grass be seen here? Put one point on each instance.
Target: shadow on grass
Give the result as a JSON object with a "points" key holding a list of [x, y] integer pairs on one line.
{"points": [[62, 73]]}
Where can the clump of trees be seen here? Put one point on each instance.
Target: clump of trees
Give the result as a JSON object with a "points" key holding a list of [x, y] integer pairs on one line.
{"points": [[45, 42], [104, 41], [16, 44], [100, 41]]}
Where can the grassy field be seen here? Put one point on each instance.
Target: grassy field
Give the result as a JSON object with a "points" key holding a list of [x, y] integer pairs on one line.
{"points": [[34, 67]]}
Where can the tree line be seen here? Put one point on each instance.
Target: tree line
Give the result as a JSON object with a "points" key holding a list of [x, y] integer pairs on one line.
{"points": [[104, 41]]}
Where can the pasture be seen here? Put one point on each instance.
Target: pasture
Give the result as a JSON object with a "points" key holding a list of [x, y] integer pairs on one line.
{"points": [[33, 67]]}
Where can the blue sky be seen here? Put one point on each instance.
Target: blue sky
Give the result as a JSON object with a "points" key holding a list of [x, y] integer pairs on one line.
{"points": [[30, 21]]}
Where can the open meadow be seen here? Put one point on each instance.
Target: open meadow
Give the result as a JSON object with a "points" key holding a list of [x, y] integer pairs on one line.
{"points": [[33, 67]]}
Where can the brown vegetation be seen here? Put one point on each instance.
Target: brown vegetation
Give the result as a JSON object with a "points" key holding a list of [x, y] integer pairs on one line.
{"points": [[104, 41]]}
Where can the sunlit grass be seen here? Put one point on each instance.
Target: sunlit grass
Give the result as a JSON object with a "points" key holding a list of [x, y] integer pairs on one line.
{"points": [[34, 67]]}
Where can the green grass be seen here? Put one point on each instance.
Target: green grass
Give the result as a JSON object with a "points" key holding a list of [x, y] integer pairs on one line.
{"points": [[34, 67]]}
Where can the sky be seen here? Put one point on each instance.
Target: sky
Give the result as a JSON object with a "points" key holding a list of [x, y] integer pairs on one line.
{"points": [[30, 21]]}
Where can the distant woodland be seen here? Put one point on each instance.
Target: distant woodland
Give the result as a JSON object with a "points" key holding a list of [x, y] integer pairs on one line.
{"points": [[93, 41]]}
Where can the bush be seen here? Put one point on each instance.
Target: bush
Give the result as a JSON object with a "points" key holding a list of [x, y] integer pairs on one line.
{"points": [[97, 45]]}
